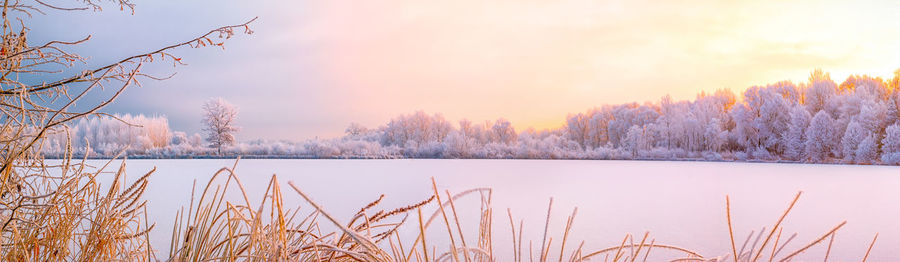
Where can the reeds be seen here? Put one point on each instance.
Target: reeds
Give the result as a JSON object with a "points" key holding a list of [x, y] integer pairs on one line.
{"points": [[220, 229], [78, 219], [61, 212]]}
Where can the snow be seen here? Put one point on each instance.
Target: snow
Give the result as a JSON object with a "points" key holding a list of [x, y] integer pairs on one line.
{"points": [[680, 203], [816, 122]]}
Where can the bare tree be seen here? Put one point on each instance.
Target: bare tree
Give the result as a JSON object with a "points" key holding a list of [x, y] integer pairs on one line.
{"points": [[218, 122], [58, 212]]}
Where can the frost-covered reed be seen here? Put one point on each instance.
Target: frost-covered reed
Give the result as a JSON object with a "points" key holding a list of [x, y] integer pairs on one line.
{"points": [[215, 227]]}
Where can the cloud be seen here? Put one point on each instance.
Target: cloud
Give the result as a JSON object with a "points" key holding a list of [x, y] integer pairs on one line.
{"points": [[313, 67]]}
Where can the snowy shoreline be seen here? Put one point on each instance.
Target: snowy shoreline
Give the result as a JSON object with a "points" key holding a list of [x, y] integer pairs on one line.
{"points": [[276, 157]]}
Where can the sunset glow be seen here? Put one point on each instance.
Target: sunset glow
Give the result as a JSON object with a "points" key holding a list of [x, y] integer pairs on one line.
{"points": [[331, 63], [340, 130], [536, 61]]}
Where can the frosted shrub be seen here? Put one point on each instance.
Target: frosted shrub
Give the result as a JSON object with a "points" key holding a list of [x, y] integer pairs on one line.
{"points": [[458, 145], [361, 148], [761, 153], [601, 153], [741, 155], [322, 149], [712, 155], [816, 121]]}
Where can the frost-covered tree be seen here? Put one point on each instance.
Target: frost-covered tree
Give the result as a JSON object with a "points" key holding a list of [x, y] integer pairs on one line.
{"points": [[458, 145], [873, 116], [635, 141], [597, 128], [355, 130], [890, 145], [893, 108], [768, 114], [894, 84], [867, 151], [769, 122], [744, 132], [416, 129], [873, 85], [714, 135], [821, 88], [788, 90], [218, 123], [795, 136], [577, 128], [819, 137], [669, 123], [109, 135], [503, 132], [853, 136]]}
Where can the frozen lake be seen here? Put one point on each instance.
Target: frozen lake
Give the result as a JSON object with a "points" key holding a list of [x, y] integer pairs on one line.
{"points": [[679, 203]]}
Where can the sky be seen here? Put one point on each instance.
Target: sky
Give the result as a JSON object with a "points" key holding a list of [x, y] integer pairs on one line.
{"points": [[313, 67]]}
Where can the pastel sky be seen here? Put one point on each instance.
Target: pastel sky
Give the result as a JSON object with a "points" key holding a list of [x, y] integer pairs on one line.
{"points": [[313, 67]]}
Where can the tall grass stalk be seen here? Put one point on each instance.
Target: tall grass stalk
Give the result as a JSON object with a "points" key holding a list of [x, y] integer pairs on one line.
{"points": [[217, 228]]}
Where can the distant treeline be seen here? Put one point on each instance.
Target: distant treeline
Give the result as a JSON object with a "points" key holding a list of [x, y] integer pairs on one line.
{"points": [[819, 121]]}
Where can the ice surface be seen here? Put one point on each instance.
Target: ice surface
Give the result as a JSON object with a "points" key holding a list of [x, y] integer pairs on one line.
{"points": [[680, 203]]}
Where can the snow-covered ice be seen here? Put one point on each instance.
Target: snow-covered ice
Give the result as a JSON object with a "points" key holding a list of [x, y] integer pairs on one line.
{"points": [[680, 203]]}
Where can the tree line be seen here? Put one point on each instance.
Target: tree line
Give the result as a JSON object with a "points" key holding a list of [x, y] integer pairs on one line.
{"points": [[817, 121]]}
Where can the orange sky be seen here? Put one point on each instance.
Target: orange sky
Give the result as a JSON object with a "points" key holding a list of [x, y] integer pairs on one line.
{"points": [[313, 67], [535, 61]]}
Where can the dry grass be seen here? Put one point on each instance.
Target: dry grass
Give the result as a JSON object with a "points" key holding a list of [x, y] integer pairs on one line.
{"points": [[216, 228], [56, 213], [219, 229], [60, 210]]}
